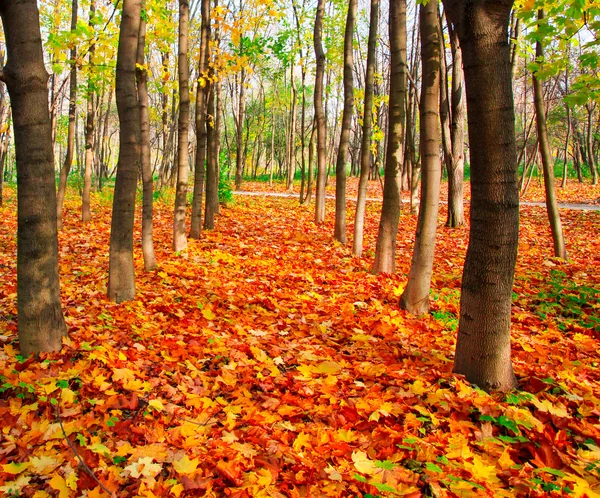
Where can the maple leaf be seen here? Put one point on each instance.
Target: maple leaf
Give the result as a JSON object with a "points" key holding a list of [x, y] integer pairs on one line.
{"points": [[363, 464], [186, 466], [143, 467]]}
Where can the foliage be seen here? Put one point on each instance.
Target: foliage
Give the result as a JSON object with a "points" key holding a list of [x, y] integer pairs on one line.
{"points": [[267, 360], [225, 190]]}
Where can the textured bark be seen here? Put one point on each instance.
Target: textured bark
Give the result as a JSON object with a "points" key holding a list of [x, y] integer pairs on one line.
{"points": [[456, 212], [202, 93], [66, 167], [483, 344], [558, 238], [415, 298], [239, 131], [291, 160], [385, 253], [590, 142], [86, 214], [179, 236], [40, 320], [340, 167], [121, 274], [147, 183], [321, 123], [367, 130]]}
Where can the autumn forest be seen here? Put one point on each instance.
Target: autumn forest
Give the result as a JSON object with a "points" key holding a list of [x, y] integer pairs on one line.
{"points": [[303, 248]]}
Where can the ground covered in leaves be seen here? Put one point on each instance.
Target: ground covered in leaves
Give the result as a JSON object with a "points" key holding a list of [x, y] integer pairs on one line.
{"points": [[267, 361]]}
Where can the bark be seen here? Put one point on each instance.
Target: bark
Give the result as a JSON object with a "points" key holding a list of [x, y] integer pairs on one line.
{"points": [[292, 135], [415, 298], [321, 124], [147, 183], [179, 236], [568, 136], [121, 274], [41, 325], [66, 167], [340, 167], [367, 130], [456, 216], [86, 214], [483, 344], [385, 253], [547, 160], [239, 131], [202, 93], [212, 172], [589, 141]]}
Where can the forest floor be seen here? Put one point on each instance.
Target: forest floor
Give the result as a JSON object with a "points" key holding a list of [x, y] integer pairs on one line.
{"points": [[267, 361]]}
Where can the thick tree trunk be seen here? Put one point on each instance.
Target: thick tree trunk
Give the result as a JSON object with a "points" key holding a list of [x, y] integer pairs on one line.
{"points": [[547, 160], [121, 274], [415, 298], [179, 235], [321, 123], [202, 93], [483, 345], [40, 319], [148, 188], [66, 167], [86, 214], [367, 130], [340, 167], [456, 216], [385, 253]]}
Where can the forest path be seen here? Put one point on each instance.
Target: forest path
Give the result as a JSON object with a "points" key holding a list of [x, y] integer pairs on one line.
{"points": [[566, 205]]}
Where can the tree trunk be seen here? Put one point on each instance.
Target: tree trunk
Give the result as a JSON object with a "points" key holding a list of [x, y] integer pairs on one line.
{"points": [[66, 167], [340, 167], [415, 298], [239, 131], [547, 160], [147, 199], [292, 135], [202, 93], [456, 215], [367, 130], [179, 235], [40, 319], [321, 124], [86, 214], [589, 139], [385, 253], [483, 344], [121, 274]]}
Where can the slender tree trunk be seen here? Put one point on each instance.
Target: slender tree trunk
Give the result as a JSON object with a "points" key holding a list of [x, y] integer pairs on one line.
{"points": [[567, 138], [121, 275], [558, 238], [483, 345], [179, 236], [148, 188], [292, 135], [589, 141], [321, 123], [367, 130], [239, 131], [415, 298], [456, 216], [41, 324], [340, 168], [385, 253], [86, 214], [202, 93], [66, 167]]}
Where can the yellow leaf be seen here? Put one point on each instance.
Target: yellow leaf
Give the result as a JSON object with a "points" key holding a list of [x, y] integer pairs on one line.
{"points": [[546, 405], [122, 357], [67, 396], [301, 441], [15, 468], [156, 404], [328, 367], [363, 464], [44, 464], [59, 484], [185, 465], [346, 435], [177, 490], [265, 478], [208, 313], [333, 474]]}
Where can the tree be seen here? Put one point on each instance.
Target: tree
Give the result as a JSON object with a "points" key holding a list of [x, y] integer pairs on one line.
{"points": [[385, 253], [340, 167], [415, 297], [179, 237], [40, 319], [560, 250], [367, 130], [66, 167], [483, 344], [86, 214], [147, 182], [121, 274], [321, 124]]}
